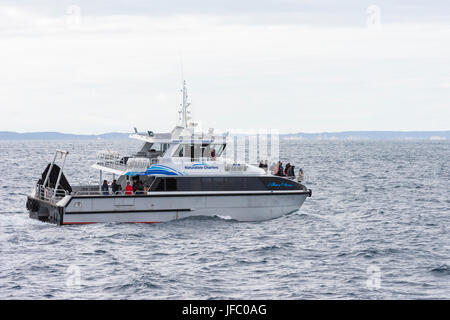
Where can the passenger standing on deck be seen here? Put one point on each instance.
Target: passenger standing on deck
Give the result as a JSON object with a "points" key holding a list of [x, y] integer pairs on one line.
{"points": [[291, 172], [135, 183], [115, 187], [105, 188], [213, 154], [274, 168], [139, 188], [280, 171], [128, 189], [286, 169], [300, 175], [263, 165]]}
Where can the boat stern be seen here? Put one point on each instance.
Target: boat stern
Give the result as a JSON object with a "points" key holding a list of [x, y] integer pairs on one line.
{"points": [[45, 210]]}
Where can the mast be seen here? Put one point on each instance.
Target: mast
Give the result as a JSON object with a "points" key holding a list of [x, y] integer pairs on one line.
{"points": [[184, 107]]}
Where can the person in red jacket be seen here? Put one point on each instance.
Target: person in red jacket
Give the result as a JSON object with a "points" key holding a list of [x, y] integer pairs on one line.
{"points": [[128, 189]]}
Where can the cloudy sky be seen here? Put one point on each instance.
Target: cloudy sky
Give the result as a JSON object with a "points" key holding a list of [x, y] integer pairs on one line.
{"points": [[291, 65]]}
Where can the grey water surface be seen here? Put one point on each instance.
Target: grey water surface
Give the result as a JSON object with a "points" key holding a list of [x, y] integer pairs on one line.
{"points": [[376, 227]]}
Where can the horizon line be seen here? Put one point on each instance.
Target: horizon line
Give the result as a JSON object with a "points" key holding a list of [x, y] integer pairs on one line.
{"points": [[298, 132]]}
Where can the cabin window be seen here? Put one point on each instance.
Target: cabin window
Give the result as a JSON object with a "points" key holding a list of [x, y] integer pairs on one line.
{"points": [[165, 184], [218, 149], [189, 184], [231, 184], [159, 185], [171, 184], [193, 151], [180, 152], [158, 147], [223, 184], [196, 151]]}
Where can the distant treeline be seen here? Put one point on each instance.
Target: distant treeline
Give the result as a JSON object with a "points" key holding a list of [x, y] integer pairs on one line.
{"points": [[372, 135], [8, 135]]}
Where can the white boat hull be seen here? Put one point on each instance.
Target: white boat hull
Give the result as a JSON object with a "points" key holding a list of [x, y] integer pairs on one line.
{"points": [[167, 206]]}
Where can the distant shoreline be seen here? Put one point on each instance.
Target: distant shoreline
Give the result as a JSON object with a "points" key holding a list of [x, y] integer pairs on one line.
{"points": [[345, 135]]}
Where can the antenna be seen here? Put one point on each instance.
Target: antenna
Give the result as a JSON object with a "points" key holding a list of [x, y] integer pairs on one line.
{"points": [[184, 106]]}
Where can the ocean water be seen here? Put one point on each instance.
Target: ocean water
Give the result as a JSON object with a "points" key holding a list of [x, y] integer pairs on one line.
{"points": [[376, 227]]}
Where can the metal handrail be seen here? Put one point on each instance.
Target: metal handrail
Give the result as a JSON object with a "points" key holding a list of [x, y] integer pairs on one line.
{"points": [[50, 194], [101, 193], [110, 159]]}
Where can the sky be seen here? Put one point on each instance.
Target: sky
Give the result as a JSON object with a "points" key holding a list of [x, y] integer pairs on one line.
{"points": [[286, 65]]}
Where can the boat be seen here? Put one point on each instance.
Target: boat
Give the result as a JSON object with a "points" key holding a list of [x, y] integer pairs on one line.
{"points": [[174, 175]]}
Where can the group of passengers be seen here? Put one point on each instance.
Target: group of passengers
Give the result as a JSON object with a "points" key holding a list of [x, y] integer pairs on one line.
{"points": [[115, 187], [136, 188], [288, 171], [263, 164]]}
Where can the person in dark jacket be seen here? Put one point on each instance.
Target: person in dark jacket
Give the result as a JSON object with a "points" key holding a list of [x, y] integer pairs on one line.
{"points": [[115, 187], [291, 172], [105, 188], [135, 183], [139, 188], [286, 169], [280, 169]]}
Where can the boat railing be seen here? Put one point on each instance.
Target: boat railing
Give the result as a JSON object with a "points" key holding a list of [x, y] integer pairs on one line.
{"points": [[107, 193], [111, 159], [50, 194], [54, 195]]}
